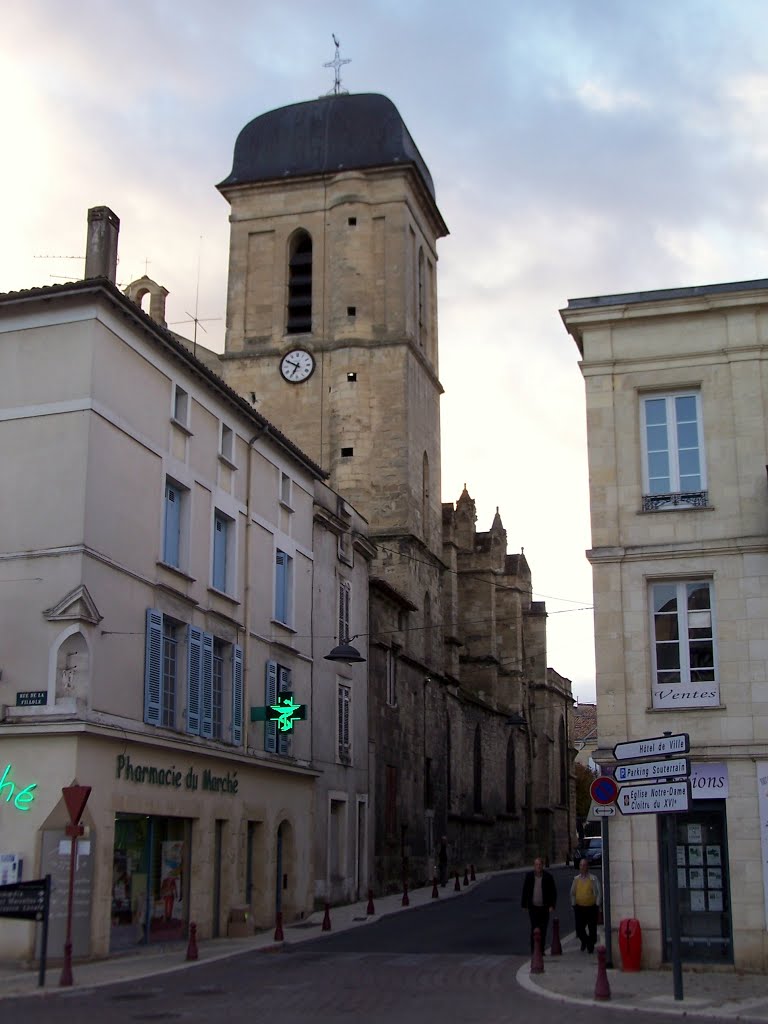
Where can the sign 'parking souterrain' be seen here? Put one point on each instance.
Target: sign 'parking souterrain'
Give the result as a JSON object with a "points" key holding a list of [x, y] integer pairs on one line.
{"points": [[654, 798]]}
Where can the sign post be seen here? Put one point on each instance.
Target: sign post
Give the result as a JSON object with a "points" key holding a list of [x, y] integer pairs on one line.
{"points": [[75, 798], [29, 901], [670, 794]]}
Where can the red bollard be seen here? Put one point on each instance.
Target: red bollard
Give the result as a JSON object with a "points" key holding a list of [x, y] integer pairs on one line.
{"points": [[602, 988], [472, 873], [435, 893], [406, 901], [192, 944], [537, 960], [457, 886], [327, 918], [556, 948], [370, 908], [466, 876], [279, 926]]}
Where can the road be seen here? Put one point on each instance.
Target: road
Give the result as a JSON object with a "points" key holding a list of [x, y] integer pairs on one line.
{"points": [[449, 961]]}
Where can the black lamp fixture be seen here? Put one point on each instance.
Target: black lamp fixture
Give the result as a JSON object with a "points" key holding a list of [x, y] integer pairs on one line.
{"points": [[345, 653]]}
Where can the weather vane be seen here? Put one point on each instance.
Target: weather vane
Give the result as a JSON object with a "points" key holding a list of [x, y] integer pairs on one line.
{"points": [[336, 64]]}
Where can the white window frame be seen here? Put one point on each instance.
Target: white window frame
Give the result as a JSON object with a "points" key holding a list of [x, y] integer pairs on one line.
{"points": [[676, 494], [687, 692]]}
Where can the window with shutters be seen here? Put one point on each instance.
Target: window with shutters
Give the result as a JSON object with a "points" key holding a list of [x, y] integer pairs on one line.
{"points": [[299, 312], [278, 679], [173, 511], [344, 702], [345, 597], [170, 665], [223, 535], [283, 587], [213, 670]]}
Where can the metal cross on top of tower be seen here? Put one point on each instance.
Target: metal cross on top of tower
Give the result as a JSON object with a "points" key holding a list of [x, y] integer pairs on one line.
{"points": [[336, 64]]}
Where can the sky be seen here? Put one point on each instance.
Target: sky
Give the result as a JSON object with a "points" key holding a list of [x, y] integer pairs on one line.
{"points": [[578, 147]]}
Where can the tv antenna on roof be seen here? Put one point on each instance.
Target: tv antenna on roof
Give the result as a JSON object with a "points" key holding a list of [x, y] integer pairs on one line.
{"points": [[196, 320], [337, 64]]}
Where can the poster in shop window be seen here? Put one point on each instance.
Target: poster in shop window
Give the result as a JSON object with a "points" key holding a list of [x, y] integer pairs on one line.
{"points": [[716, 901], [696, 856], [714, 856], [697, 900], [696, 878]]}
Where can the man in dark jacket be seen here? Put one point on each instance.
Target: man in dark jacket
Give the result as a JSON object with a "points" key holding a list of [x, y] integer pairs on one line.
{"points": [[539, 898]]}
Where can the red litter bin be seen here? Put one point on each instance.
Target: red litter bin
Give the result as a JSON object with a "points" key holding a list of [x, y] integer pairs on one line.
{"points": [[630, 944]]}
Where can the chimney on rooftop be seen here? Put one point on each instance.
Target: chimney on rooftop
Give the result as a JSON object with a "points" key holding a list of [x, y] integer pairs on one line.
{"points": [[101, 247]]}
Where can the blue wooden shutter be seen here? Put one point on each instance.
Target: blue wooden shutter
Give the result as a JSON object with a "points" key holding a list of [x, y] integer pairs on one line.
{"points": [[153, 666], [284, 685], [237, 695], [206, 687], [220, 529], [194, 652], [172, 525], [270, 697], [281, 586]]}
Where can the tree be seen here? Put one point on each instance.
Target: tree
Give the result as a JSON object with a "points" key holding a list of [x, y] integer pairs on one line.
{"points": [[584, 779]]}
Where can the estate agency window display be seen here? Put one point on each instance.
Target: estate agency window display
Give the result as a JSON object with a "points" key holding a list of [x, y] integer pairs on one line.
{"points": [[703, 908], [150, 879]]}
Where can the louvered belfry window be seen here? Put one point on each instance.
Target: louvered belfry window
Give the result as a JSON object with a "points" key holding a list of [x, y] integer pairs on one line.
{"points": [[299, 319]]}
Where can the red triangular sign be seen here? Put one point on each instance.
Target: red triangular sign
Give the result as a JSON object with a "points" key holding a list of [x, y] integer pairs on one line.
{"points": [[76, 797]]}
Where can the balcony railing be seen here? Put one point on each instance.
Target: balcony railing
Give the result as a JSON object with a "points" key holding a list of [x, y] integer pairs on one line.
{"points": [[682, 499]]}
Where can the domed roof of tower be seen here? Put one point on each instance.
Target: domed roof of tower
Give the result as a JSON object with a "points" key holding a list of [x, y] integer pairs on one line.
{"points": [[334, 133]]}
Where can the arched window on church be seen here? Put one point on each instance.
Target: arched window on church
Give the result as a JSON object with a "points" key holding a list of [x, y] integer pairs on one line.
{"points": [[299, 312], [563, 765], [478, 771], [421, 299], [511, 795]]}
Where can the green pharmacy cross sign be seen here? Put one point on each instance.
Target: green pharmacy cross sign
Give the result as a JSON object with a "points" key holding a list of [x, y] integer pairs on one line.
{"points": [[285, 713]]}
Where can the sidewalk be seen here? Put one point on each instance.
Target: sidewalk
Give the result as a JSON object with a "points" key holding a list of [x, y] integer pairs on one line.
{"points": [[146, 961], [709, 991]]}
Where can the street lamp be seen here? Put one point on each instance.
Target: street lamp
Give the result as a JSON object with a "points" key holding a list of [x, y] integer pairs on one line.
{"points": [[344, 653]]}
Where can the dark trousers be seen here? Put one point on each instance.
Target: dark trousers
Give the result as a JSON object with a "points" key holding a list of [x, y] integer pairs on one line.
{"points": [[539, 919], [586, 926]]}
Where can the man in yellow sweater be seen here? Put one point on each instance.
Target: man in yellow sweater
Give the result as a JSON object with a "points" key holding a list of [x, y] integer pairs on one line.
{"points": [[585, 900]]}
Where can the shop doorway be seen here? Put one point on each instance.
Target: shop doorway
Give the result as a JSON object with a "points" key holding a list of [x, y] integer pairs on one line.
{"points": [[150, 880], [703, 883]]}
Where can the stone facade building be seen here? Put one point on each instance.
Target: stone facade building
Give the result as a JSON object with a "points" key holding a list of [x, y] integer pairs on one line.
{"points": [[675, 393], [332, 332], [167, 557]]}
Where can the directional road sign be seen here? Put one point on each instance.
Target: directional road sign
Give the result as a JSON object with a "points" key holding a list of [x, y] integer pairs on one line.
{"points": [[654, 798], [603, 790], [674, 768], [657, 746], [604, 810]]}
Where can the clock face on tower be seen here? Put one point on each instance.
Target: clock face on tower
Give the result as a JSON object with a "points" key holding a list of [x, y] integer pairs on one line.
{"points": [[297, 365]]}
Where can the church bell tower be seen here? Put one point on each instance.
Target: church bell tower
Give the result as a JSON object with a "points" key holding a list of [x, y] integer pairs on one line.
{"points": [[332, 310]]}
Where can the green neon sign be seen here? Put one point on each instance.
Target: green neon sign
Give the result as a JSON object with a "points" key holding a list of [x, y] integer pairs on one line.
{"points": [[22, 798], [285, 713]]}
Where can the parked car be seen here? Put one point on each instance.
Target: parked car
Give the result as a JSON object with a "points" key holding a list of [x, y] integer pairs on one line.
{"points": [[592, 849]]}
